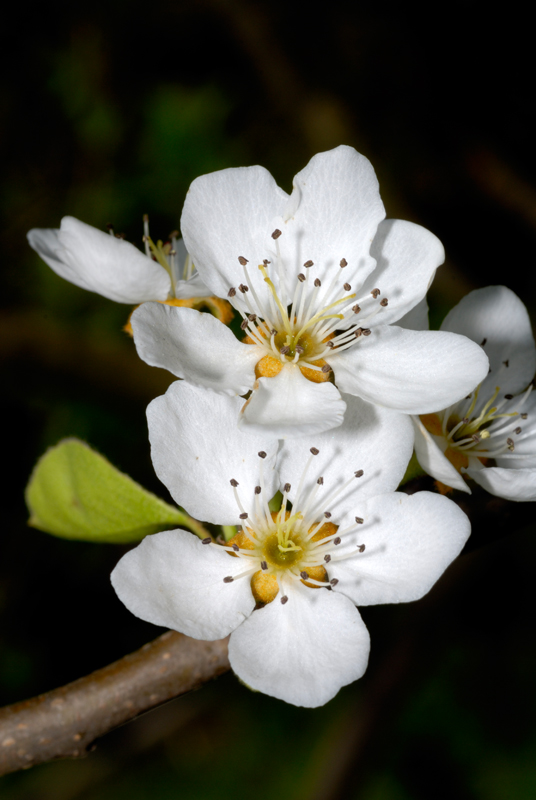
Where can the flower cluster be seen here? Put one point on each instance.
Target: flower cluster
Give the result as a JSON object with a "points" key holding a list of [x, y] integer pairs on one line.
{"points": [[298, 432]]}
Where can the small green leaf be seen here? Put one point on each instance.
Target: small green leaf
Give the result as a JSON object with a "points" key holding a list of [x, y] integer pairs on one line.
{"points": [[76, 493]]}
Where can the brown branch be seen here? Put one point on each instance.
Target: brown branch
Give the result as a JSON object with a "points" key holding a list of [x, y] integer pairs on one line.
{"points": [[65, 722]]}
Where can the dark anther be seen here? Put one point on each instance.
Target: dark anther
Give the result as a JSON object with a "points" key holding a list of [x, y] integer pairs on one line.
{"points": [[233, 482], [231, 292], [334, 581], [508, 396], [244, 515], [242, 260], [507, 362], [276, 234], [252, 317], [257, 489], [361, 548], [266, 262], [109, 226], [320, 481], [304, 575], [286, 487], [359, 520], [510, 443], [243, 288], [465, 420], [284, 600], [475, 437], [235, 547], [308, 264], [327, 558], [517, 430], [228, 579], [327, 514], [284, 350], [244, 324], [326, 368], [314, 451], [299, 349], [359, 473], [483, 342], [337, 540], [356, 309], [264, 565], [330, 345], [375, 293], [347, 287], [343, 262], [358, 333], [207, 540], [262, 454], [384, 302], [366, 331], [273, 332], [123, 235], [318, 282], [301, 277], [524, 416]]}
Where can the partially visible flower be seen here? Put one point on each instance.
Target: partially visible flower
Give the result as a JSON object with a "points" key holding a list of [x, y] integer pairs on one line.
{"points": [[114, 268], [318, 277], [489, 436], [287, 585]]}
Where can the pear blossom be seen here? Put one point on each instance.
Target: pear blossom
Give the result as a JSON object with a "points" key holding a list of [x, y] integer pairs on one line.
{"points": [[490, 435], [286, 586], [319, 277], [114, 268]]}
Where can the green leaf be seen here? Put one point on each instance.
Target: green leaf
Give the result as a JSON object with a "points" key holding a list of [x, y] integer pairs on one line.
{"points": [[76, 493]]}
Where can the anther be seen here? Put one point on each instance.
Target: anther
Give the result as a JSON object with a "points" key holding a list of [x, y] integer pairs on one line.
{"points": [[284, 350], [507, 362], [384, 302], [235, 548], [330, 345], [273, 332], [510, 443], [318, 282], [242, 260], [257, 489], [475, 437], [524, 416], [320, 481], [301, 277], [264, 565], [304, 575], [356, 309], [243, 288], [233, 482], [326, 368], [262, 454], [314, 451], [361, 548], [366, 331], [517, 430], [286, 487], [508, 396], [359, 473], [327, 514], [334, 581], [252, 317], [231, 292], [228, 579], [284, 600], [244, 515], [266, 262], [347, 287], [244, 324], [298, 349], [483, 342], [337, 540], [358, 333], [308, 264], [343, 263], [276, 234], [207, 540], [327, 558], [109, 226], [375, 293], [359, 520], [123, 236]]}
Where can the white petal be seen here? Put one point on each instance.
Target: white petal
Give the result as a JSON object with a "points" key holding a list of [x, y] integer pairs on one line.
{"points": [[228, 214], [291, 405], [416, 372], [417, 318], [302, 652], [377, 440], [101, 263], [172, 579], [512, 484], [409, 540], [408, 256], [432, 458], [337, 215], [195, 346], [197, 449], [496, 314]]}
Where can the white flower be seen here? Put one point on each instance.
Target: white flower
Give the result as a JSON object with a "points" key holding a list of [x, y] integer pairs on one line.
{"points": [[114, 268], [318, 277], [491, 434], [290, 638]]}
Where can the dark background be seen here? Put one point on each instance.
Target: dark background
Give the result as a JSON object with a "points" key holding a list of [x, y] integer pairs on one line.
{"points": [[108, 112]]}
